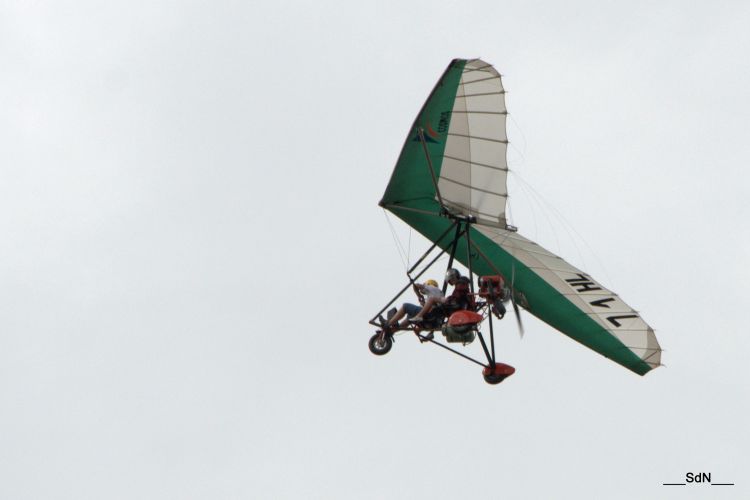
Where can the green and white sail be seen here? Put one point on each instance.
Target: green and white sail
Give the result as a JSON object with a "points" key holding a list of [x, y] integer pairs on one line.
{"points": [[463, 123]]}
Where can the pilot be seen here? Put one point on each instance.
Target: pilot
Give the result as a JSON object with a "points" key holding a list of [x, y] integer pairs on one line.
{"points": [[461, 298]]}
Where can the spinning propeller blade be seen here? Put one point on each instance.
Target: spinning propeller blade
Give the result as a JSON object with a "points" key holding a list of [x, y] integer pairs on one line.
{"points": [[517, 312]]}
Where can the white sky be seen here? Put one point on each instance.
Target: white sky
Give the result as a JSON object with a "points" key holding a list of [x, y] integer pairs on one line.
{"points": [[191, 248]]}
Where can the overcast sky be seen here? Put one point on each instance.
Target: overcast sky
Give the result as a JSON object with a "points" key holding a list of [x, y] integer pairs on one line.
{"points": [[191, 248]]}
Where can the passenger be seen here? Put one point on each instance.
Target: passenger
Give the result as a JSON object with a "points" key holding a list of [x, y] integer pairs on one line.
{"points": [[428, 294]]}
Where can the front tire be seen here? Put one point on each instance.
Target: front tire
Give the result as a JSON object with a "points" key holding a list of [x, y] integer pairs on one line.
{"points": [[380, 344]]}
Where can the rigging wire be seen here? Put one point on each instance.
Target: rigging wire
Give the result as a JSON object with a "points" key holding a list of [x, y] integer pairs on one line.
{"points": [[523, 136], [566, 225], [399, 247], [535, 198], [408, 255], [521, 161], [545, 206]]}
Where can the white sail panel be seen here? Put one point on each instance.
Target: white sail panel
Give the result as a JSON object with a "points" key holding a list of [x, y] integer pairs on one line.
{"points": [[473, 176], [590, 297]]}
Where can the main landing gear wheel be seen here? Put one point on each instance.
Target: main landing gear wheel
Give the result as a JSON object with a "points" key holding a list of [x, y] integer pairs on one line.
{"points": [[498, 373], [380, 344]]}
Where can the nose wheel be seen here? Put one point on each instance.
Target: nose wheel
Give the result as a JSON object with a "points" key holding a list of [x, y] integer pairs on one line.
{"points": [[380, 343]]}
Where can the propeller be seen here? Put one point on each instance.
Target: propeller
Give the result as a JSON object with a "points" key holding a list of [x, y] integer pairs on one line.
{"points": [[517, 312], [516, 309]]}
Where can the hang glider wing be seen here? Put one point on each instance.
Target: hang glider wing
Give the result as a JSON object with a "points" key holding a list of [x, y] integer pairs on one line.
{"points": [[463, 126]]}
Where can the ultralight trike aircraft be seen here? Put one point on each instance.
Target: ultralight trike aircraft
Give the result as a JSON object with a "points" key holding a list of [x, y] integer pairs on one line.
{"points": [[450, 184]]}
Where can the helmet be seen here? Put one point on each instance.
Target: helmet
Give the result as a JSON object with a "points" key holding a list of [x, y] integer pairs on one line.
{"points": [[451, 275], [431, 283]]}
